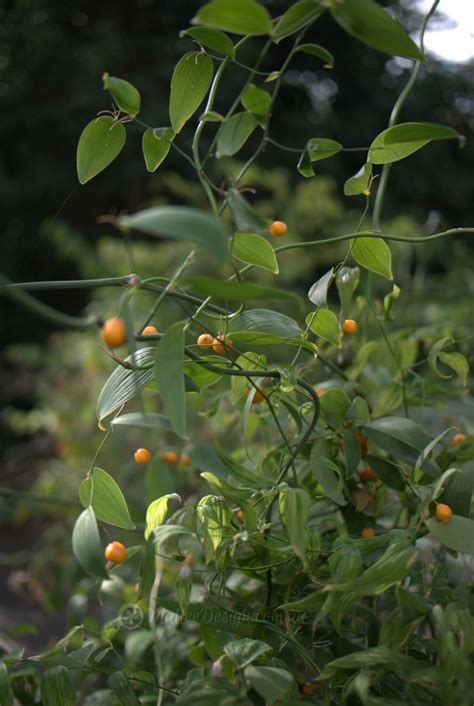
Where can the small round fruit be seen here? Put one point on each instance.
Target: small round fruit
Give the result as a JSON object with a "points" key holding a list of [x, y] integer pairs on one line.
{"points": [[443, 513], [205, 340], [116, 552], [257, 397], [278, 229], [367, 475], [349, 326], [142, 456], [309, 689], [114, 332], [320, 391], [459, 438], [184, 459], [367, 532], [149, 331], [220, 345], [170, 457], [239, 516]]}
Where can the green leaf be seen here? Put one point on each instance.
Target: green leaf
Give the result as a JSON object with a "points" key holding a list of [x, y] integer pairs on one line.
{"points": [[248, 361], [390, 569], [376, 657], [124, 384], [295, 18], [155, 146], [318, 292], [457, 534], [256, 101], [325, 325], [458, 491], [367, 21], [347, 288], [321, 148], [181, 223], [245, 218], [304, 165], [254, 250], [145, 420], [399, 428], [388, 472], [234, 133], [104, 495], [169, 374], [264, 321], [189, 85], [400, 141], [373, 254], [211, 116], [212, 39], [319, 51], [200, 375], [359, 183], [335, 404], [87, 546], [124, 94], [271, 683], [244, 17], [6, 696], [294, 507], [57, 688], [328, 475], [100, 143], [123, 690], [457, 362], [157, 511], [233, 291], [244, 652]]}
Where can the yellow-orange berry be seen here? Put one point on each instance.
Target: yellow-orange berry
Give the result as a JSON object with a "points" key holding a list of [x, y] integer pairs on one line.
{"points": [[320, 391], [367, 475], [205, 340], [142, 456], [170, 457], [114, 332], [258, 396], [309, 689], [239, 516], [349, 326], [459, 438], [149, 331], [220, 345], [443, 513], [116, 552], [278, 229], [184, 459], [367, 532]]}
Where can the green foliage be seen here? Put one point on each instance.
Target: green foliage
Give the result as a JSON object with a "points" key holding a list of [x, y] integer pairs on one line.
{"points": [[299, 571]]}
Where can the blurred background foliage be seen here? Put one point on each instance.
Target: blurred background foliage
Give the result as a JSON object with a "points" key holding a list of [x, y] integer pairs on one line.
{"points": [[52, 56]]}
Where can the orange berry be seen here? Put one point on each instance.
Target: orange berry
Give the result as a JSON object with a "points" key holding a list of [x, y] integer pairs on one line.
{"points": [[349, 326], [116, 552], [222, 346], [170, 457], [278, 229], [443, 513], [184, 459], [309, 689], [320, 391], [367, 475], [205, 340], [459, 438], [188, 560], [114, 333], [239, 516], [258, 395], [367, 532], [142, 456], [363, 443], [149, 331]]}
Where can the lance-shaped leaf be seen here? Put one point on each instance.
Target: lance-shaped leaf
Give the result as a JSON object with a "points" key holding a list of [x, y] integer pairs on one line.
{"points": [[272, 683], [155, 146], [359, 183], [181, 223], [6, 696], [102, 492], [123, 689], [124, 94], [242, 17], [234, 133], [318, 292], [402, 140], [57, 688], [324, 323], [256, 101], [294, 507], [244, 652], [157, 512], [319, 51], [254, 250], [211, 38], [169, 373], [234, 291], [100, 143], [367, 21], [189, 85], [245, 218], [455, 361], [87, 546], [295, 18], [457, 534], [145, 420]]}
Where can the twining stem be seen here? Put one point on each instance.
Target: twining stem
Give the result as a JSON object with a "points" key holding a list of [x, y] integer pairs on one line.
{"points": [[380, 195]]}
